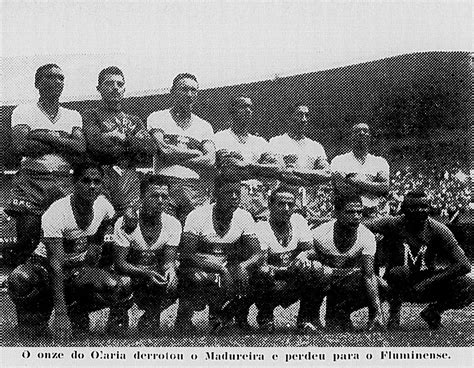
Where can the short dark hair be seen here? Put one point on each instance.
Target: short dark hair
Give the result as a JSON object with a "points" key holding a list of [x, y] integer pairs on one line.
{"points": [[340, 201], [152, 180], [291, 109], [414, 195], [114, 70], [40, 71], [282, 188], [79, 169], [183, 76], [223, 179]]}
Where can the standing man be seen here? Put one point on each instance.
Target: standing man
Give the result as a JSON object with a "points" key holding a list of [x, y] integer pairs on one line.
{"points": [[185, 151], [146, 244], [219, 249], [246, 156], [287, 276], [359, 172], [304, 160], [343, 253], [117, 140], [62, 272], [424, 262], [48, 137]]}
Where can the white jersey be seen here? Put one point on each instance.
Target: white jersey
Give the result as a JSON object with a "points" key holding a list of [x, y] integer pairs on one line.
{"points": [[200, 223], [373, 167], [304, 153], [59, 222], [250, 148], [170, 235], [329, 255], [193, 137], [279, 255], [36, 118]]}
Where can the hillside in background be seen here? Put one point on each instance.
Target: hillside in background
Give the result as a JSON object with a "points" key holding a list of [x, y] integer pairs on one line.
{"points": [[419, 100]]}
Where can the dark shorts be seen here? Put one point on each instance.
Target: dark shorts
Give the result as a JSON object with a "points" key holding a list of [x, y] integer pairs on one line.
{"points": [[33, 192], [30, 288], [201, 287], [282, 287], [151, 296], [122, 188]]}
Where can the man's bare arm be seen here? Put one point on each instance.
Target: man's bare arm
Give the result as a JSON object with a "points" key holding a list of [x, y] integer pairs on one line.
{"points": [[102, 142], [459, 264], [73, 143], [24, 145], [371, 286], [317, 175], [205, 161], [169, 153]]}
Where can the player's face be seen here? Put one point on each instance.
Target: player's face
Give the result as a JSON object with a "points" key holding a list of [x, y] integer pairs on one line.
{"points": [[350, 215], [228, 196], [89, 185], [155, 199], [112, 88], [417, 213], [185, 92], [244, 110], [51, 83], [299, 119], [361, 134], [282, 207]]}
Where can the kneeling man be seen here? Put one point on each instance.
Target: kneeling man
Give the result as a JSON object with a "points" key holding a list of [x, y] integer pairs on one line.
{"points": [[287, 275], [219, 248], [344, 251], [424, 262], [146, 243], [62, 273]]}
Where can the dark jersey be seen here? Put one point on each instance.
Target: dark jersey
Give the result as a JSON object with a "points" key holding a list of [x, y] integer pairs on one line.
{"points": [[99, 121], [428, 249]]}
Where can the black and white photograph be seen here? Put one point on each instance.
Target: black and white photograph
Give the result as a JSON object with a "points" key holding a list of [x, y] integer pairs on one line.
{"points": [[236, 183]]}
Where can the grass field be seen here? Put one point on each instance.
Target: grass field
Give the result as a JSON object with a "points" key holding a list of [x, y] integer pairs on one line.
{"points": [[457, 331]]}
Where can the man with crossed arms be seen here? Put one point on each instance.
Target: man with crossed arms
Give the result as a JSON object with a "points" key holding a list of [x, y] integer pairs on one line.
{"points": [[184, 151], [246, 156], [48, 137], [303, 159]]}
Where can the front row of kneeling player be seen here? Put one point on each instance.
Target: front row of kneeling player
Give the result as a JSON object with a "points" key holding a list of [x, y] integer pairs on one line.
{"points": [[229, 262]]}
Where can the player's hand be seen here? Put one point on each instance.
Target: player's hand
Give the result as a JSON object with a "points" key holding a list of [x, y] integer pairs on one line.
{"points": [[356, 178], [172, 279], [376, 323], [156, 278], [301, 261], [130, 220], [115, 135], [61, 326]]}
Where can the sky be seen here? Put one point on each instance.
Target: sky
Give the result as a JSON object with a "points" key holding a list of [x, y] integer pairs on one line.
{"points": [[222, 42]]}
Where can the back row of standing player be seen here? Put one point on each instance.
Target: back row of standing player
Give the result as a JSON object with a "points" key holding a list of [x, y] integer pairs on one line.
{"points": [[185, 150]]}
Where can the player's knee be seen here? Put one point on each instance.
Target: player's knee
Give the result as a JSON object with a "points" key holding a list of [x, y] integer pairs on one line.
{"points": [[21, 281], [396, 275]]}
